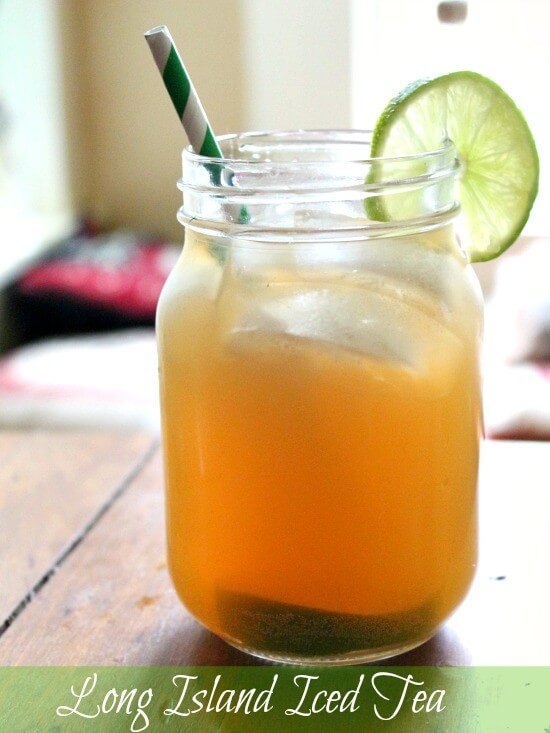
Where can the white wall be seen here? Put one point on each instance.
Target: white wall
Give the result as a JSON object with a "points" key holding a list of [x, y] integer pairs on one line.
{"points": [[126, 139], [90, 106], [31, 92], [296, 63]]}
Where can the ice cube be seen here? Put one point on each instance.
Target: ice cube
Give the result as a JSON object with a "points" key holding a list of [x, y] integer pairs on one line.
{"points": [[416, 263], [361, 322]]}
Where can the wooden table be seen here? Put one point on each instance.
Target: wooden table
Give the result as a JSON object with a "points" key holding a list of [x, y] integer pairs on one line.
{"points": [[84, 580]]}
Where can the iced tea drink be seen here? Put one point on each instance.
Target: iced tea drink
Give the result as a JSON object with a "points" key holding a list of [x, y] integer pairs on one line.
{"points": [[321, 423]]}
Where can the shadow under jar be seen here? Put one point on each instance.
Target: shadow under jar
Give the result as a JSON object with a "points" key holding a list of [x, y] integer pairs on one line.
{"points": [[318, 347]]}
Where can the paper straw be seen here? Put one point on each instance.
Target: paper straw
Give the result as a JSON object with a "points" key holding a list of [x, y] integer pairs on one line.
{"points": [[186, 101], [182, 92]]}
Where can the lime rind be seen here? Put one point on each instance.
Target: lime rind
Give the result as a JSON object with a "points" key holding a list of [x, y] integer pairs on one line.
{"points": [[498, 155]]}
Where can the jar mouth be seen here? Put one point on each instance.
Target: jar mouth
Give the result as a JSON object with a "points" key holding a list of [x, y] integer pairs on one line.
{"points": [[310, 148], [315, 180]]}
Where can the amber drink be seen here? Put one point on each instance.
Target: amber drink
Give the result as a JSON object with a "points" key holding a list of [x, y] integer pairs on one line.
{"points": [[320, 398]]}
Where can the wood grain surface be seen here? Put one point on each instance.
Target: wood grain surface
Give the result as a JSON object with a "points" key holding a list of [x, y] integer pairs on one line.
{"points": [[52, 486], [111, 601]]}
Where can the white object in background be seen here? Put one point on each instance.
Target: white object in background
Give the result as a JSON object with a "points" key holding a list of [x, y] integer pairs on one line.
{"points": [[516, 353], [23, 236], [516, 401], [95, 381], [518, 313]]}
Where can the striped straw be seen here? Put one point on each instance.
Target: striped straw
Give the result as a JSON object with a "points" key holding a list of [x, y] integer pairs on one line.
{"points": [[182, 92], [186, 101]]}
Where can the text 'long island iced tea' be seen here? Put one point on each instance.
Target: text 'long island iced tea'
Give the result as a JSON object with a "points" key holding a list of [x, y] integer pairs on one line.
{"points": [[320, 399]]}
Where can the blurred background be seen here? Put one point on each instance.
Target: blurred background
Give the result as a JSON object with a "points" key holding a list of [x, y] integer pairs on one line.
{"points": [[90, 155]]}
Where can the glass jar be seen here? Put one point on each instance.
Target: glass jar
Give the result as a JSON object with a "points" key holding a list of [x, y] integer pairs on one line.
{"points": [[318, 347]]}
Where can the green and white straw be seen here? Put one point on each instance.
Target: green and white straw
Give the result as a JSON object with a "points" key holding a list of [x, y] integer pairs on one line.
{"points": [[186, 101], [182, 92]]}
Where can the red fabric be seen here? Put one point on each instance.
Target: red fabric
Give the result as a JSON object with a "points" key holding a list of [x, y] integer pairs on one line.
{"points": [[130, 284], [543, 369]]}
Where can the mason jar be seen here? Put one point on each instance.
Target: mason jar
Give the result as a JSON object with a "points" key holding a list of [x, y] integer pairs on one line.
{"points": [[320, 393]]}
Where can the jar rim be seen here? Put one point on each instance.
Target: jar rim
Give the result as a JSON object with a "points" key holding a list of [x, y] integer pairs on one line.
{"points": [[322, 178], [308, 138]]}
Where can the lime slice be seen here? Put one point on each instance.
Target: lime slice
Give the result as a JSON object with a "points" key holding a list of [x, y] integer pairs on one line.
{"points": [[499, 162]]}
